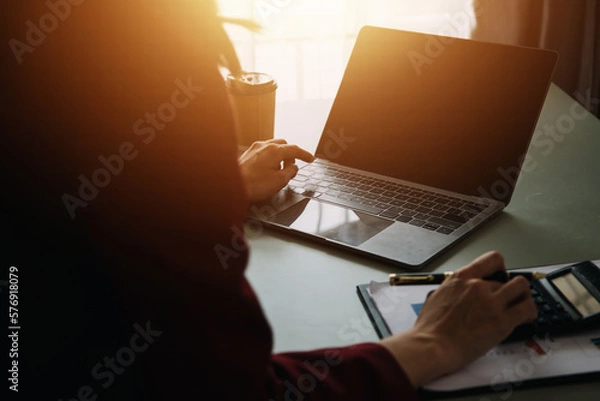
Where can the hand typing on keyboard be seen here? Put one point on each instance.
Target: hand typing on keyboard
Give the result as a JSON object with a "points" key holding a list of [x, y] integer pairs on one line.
{"points": [[268, 166]]}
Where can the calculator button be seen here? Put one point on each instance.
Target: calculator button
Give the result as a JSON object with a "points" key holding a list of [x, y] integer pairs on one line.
{"points": [[566, 317]]}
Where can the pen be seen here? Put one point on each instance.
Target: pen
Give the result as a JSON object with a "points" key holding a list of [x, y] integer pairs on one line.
{"points": [[438, 278]]}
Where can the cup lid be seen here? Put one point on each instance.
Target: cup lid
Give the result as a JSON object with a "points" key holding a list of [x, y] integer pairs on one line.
{"points": [[250, 83]]}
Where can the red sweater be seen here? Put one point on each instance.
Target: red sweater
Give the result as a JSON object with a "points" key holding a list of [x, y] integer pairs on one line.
{"points": [[122, 183]]}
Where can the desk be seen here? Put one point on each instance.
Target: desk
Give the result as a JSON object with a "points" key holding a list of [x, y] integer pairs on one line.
{"points": [[308, 290]]}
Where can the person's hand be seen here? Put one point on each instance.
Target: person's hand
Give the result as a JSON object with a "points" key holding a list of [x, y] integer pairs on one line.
{"points": [[463, 319], [268, 166]]}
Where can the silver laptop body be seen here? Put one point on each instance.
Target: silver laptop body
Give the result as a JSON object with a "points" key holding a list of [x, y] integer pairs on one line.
{"points": [[423, 145]]}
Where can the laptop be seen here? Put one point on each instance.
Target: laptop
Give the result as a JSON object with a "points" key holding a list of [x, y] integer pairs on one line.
{"points": [[423, 145]]}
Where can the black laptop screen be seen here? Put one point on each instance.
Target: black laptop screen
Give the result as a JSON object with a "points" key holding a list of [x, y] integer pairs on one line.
{"points": [[448, 113]]}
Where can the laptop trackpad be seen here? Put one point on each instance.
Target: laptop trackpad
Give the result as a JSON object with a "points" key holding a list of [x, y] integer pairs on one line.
{"points": [[333, 222]]}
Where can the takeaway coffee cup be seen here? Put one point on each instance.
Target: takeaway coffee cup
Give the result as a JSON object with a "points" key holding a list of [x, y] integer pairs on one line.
{"points": [[252, 97]]}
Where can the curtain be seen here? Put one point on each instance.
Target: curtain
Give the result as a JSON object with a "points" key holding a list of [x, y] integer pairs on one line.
{"points": [[570, 27]]}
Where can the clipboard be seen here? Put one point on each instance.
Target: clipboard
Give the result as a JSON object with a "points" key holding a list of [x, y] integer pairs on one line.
{"points": [[575, 349], [376, 319]]}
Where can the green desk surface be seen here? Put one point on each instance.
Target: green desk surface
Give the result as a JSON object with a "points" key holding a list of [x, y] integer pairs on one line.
{"points": [[308, 290]]}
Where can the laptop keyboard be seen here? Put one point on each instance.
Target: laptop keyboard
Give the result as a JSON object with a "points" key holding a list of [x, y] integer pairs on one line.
{"points": [[428, 210]]}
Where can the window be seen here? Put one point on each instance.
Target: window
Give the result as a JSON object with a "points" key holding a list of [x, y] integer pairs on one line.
{"points": [[305, 44]]}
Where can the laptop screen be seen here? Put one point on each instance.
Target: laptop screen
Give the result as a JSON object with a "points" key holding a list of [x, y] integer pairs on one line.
{"points": [[448, 113]]}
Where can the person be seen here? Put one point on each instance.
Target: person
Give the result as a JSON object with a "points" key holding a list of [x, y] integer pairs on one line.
{"points": [[120, 179]]}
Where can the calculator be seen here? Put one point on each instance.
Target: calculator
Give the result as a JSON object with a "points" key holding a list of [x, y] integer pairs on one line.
{"points": [[568, 301]]}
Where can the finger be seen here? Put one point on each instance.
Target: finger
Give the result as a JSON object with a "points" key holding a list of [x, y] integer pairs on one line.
{"points": [[283, 176], [279, 141], [494, 285], [289, 162], [522, 312], [483, 266], [295, 152], [514, 291]]}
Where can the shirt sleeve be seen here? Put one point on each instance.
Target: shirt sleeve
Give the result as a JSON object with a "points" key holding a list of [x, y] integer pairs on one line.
{"points": [[360, 372]]}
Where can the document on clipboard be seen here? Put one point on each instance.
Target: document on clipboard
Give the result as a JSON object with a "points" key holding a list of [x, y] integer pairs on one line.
{"points": [[394, 309]]}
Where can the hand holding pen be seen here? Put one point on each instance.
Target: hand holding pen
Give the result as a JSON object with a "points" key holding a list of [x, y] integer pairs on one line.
{"points": [[463, 318]]}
